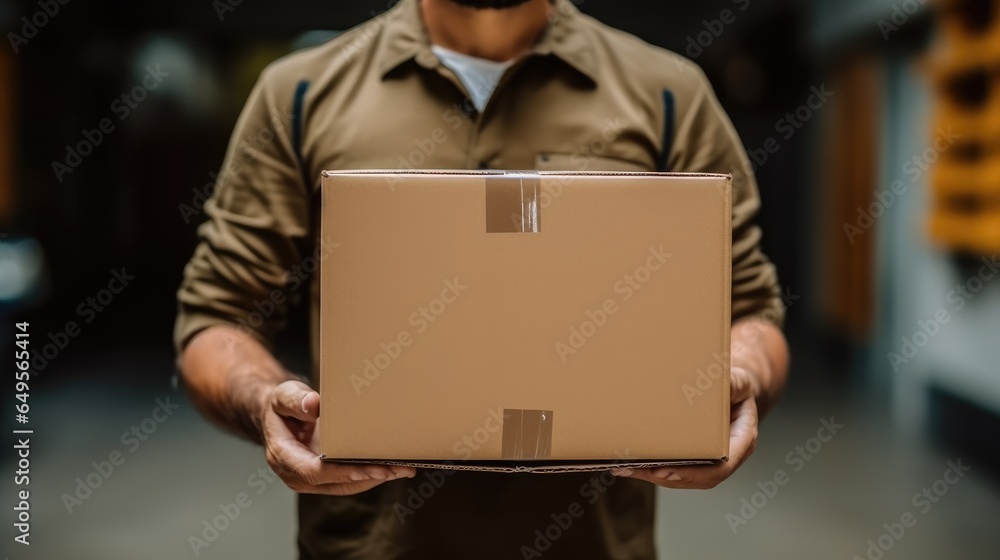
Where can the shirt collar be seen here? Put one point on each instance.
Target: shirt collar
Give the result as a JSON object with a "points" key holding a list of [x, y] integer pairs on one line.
{"points": [[405, 38]]}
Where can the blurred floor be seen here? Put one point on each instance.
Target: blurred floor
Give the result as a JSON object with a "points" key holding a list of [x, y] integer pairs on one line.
{"points": [[834, 502], [165, 488], [864, 477]]}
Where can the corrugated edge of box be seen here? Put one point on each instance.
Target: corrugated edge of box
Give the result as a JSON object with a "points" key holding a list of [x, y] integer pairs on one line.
{"points": [[554, 468]]}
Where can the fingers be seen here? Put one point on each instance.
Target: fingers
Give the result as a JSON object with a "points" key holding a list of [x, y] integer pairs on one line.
{"points": [[305, 472], [308, 474], [343, 489], [349, 488], [742, 443], [294, 399], [743, 431]]}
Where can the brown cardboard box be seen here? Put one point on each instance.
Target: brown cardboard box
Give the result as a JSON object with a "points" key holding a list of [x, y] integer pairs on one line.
{"points": [[525, 321]]}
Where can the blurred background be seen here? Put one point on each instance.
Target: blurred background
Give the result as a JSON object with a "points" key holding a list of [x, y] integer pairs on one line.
{"points": [[881, 210]]}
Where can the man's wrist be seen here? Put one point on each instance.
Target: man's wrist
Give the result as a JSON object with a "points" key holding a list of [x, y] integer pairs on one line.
{"points": [[250, 391], [258, 411]]}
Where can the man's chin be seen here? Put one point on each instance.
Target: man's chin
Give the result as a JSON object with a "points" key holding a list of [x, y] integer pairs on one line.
{"points": [[489, 4]]}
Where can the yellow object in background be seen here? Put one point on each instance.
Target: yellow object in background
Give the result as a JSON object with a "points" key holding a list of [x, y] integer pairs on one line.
{"points": [[965, 202]]}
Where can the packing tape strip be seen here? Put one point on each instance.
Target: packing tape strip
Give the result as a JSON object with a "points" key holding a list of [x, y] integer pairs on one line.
{"points": [[512, 202], [527, 434]]}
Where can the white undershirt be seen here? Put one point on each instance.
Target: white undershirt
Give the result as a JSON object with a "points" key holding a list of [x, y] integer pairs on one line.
{"points": [[479, 75]]}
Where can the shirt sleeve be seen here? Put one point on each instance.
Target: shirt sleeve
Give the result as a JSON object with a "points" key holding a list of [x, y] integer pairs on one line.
{"points": [[258, 218], [706, 141]]}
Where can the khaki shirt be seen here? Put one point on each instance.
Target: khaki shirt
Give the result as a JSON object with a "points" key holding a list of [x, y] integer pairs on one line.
{"points": [[587, 97]]}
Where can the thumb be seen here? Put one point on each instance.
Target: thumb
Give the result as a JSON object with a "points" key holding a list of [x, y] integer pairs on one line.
{"points": [[295, 399], [740, 386]]}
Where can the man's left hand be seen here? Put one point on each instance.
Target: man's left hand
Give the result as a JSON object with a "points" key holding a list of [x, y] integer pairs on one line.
{"points": [[742, 442]]}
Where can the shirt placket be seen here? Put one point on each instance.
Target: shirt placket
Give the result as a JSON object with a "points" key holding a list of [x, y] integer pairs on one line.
{"points": [[477, 155]]}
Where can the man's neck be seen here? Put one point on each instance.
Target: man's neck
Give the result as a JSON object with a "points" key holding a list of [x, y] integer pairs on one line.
{"points": [[499, 35]]}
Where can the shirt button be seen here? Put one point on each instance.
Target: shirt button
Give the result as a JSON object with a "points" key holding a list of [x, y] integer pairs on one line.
{"points": [[426, 59]]}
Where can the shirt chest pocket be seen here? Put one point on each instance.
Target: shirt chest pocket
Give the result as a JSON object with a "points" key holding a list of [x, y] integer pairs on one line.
{"points": [[548, 161]]}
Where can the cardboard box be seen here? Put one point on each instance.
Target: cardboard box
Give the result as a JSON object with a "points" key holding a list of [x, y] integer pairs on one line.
{"points": [[538, 322]]}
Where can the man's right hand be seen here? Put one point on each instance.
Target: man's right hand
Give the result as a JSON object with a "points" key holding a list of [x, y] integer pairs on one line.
{"points": [[288, 426], [237, 383]]}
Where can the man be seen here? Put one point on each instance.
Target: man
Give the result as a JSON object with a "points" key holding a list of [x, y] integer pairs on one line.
{"points": [[514, 84]]}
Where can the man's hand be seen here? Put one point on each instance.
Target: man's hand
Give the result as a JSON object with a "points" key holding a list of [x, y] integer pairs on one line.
{"points": [[290, 436], [239, 385], [742, 442], [759, 363]]}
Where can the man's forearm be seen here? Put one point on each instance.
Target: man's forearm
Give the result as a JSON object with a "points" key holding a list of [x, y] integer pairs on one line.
{"points": [[759, 347], [229, 376]]}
